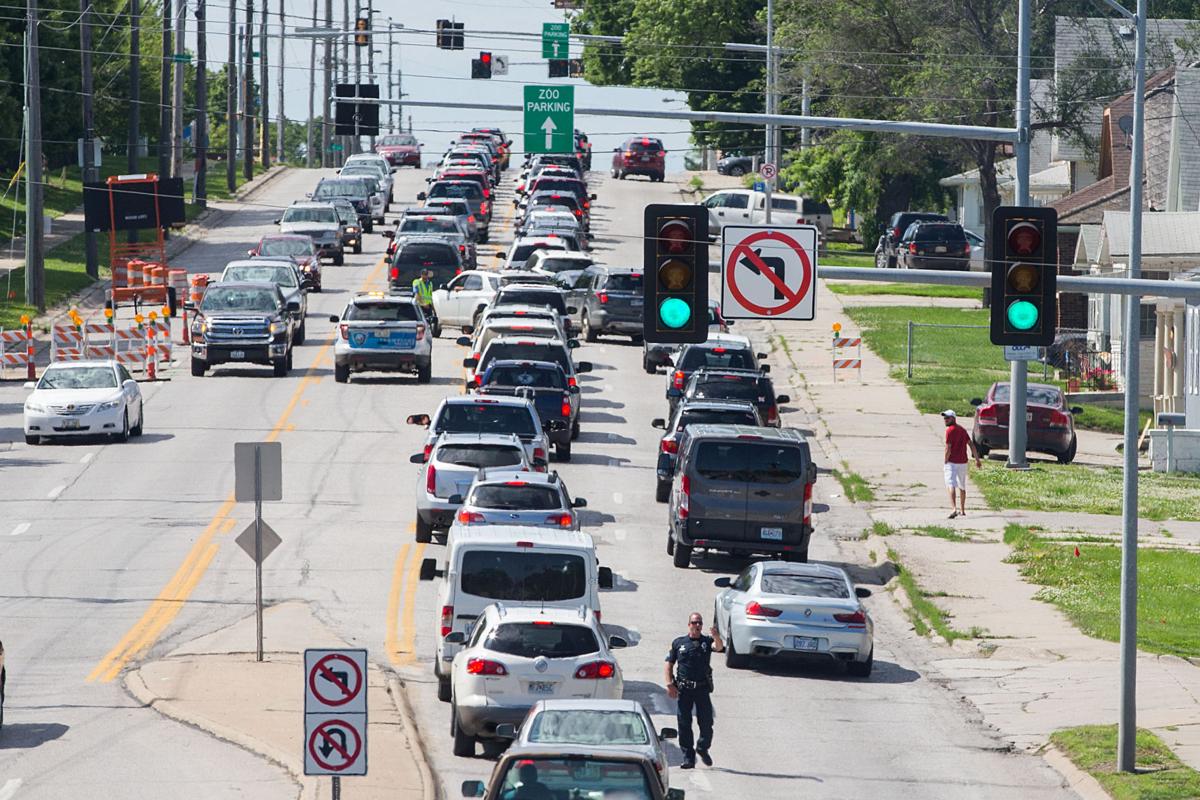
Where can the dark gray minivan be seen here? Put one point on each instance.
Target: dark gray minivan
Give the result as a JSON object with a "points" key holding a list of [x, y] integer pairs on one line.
{"points": [[743, 490]]}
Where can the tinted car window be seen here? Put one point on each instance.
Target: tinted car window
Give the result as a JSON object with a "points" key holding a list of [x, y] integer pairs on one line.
{"points": [[939, 233], [557, 265], [737, 201], [539, 378], [712, 416], [528, 497], [645, 146], [281, 276], [218, 298], [485, 418], [287, 247], [589, 726], [426, 254], [1042, 396], [527, 640], [755, 462], [479, 455], [524, 297], [804, 585], [722, 357], [471, 191], [783, 203], [310, 214], [534, 352], [381, 312], [733, 387], [428, 225], [526, 576], [816, 207], [343, 188], [624, 283]]}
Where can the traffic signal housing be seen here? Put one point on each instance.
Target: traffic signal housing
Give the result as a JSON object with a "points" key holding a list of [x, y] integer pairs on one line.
{"points": [[558, 68], [675, 273], [362, 39], [1023, 256], [449, 35], [482, 67]]}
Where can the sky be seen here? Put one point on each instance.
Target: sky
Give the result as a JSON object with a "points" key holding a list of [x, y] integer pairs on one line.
{"points": [[430, 74]]}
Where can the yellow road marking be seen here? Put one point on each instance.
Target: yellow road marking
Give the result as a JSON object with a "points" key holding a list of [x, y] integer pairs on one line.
{"points": [[229, 525], [170, 601], [390, 641], [412, 575]]}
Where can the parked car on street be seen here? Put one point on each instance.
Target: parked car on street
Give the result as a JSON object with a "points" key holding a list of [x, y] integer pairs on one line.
{"points": [[1049, 425], [889, 241], [934, 245]]}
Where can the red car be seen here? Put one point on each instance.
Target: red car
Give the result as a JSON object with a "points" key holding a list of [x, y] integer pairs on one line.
{"points": [[400, 149], [298, 248], [1050, 424], [640, 155]]}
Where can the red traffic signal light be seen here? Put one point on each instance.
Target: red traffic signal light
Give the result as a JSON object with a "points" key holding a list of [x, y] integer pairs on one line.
{"points": [[1024, 239], [486, 58], [675, 236]]}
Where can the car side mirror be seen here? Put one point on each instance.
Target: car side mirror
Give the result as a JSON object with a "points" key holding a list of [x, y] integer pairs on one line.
{"points": [[29, 385], [455, 500], [418, 419], [668, 733], [472, 384], [429, 570], [294, 306], [572, 390], [251, 252], [516, 202], [760, 356], [765, 369], [604, 576], [672, 794], [506, 730], [333, 317], [730, 321], [463, 341], [617, 642], [658, 422], [861, 592], [455, 637], [470, 363], [473, 789], [468, 329], [722, 583], [579, 502], [583, 366], [783, 398], [976, 401], [389, 234], [1076, 409], [498, 255], [572, 344], [420, 195], [416, 458], [572, 309]]}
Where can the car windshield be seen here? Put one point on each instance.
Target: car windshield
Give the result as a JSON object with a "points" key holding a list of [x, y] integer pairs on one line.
{"points": [[557, 265], [397, 140], [712, 416], [428, 225], [733, 387], [516, 496], [346, 214], [310, 214], [244, 298], [576, 778], [526, 297], [426, 254], [749, 461], [719, 357], [1037, 395], [542, 638], [485, 418], [343, 188], [381, 312], [78, 378], [589, 726], [533, 351], [525, 574], [280, 276], [537, 377], [479, 456], [286, 247], [468, 190], [631, 282], [804, 585]]}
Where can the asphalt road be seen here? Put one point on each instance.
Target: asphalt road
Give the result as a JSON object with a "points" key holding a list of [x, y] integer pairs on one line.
{"points": [[114, 554]]}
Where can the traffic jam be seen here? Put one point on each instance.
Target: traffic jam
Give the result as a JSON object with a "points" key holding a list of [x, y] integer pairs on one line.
{"points": [[528, 669]]}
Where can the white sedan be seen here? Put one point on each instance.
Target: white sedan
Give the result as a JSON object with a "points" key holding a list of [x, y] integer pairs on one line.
{"points": [[782, 608], [84, 398]]}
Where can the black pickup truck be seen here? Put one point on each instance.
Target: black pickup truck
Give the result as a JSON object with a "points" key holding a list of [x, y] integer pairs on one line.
{"points": [[546, 385], [243, 323]]}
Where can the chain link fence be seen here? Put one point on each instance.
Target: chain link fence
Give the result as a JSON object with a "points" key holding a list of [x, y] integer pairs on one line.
{"points": [[936, 347]]}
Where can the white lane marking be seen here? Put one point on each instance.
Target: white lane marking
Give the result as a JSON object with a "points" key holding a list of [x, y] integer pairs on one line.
{"points": [[617, 498], [700, 781], [87, 457], [20, 528], [56, 491], [9, 788]]}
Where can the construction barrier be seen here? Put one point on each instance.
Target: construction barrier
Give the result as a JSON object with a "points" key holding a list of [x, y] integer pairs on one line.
{"points": [[66, 342], [840, 359], [16, 351]]}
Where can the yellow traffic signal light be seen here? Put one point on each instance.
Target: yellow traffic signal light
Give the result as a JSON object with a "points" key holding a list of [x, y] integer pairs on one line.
{"points": [[362, 39]]}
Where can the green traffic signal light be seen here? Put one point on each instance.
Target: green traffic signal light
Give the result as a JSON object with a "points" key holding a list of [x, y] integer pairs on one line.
{"points": [[674, 313], [1022, 315]]}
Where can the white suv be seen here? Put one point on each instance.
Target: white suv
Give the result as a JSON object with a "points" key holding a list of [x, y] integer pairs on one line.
{"points": [[519, 655]]}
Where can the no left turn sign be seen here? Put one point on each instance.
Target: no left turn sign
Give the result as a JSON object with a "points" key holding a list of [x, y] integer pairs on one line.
{"points": [[769, 272], [334, 681]]}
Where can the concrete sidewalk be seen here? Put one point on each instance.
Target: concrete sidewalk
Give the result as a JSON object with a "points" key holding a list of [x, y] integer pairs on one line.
{"points": [[215, 684], [1033, 672]]}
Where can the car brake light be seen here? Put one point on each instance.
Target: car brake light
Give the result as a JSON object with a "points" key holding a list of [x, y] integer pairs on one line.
{"points": [[808, 487], [566, 406], [543, 623], [395, 273], [987, 412], [462, 248], [431, 480], [895, 233], [561, 520], [483, 207], [447, 619], [420, 331], [345, 330], [685, 492], [469, 517], [524, 544], [912, 247], [966, 248], [596, 670], [677, 379], [856, 620], [539, 455], [428, 451], [470, 218], [516, 483], [602, 297], [1059, 420], [483, 666], [718, 349], [755, 609], [669, 446]]}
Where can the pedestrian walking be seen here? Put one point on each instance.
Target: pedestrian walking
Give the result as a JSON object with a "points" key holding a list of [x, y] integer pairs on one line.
{"points": [[689, 681], [954, 458]]}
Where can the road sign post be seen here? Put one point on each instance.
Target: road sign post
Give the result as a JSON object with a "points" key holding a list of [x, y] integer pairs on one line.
{"points": [[556, 39], [769, 272], [549, 119], [258, 476], [335, 713]]}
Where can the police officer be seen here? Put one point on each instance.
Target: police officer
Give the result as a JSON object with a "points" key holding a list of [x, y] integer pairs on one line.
{"points": [[422, 288], [691, 685]]}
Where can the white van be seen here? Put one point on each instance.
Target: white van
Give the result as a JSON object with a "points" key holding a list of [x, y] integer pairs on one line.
{"points": [[513, 564], [748, 207]]}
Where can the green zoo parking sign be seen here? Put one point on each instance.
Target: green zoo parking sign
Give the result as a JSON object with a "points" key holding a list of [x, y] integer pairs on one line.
{"points": [[549, 119], [556, 39]]}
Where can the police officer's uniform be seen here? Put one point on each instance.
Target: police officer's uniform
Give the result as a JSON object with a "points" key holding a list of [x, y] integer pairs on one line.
{"points": [[693, 679]]}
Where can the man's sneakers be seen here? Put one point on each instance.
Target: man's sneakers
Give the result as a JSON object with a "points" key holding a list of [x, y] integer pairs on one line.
{"points": [[705, 757], [688, 763]]}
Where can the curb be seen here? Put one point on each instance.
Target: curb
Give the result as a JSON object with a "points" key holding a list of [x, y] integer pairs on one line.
{"points": [[431, 789], [1079, 781]]}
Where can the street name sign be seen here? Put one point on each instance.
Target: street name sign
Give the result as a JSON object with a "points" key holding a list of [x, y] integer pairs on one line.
{"points": [[335, 712], [556, 39], [549, 119], [769, 272]]}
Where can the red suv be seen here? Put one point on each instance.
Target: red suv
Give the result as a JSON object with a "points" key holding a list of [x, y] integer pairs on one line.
{"points": [[640, 155]]}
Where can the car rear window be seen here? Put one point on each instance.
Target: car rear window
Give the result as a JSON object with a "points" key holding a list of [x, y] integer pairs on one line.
{"points": [[525, 575], [816, 207], [552, 640], [525, 297], [939, 233], [426, 254], [480, 456], [511, 497], [645, 146], [733, 387], [566, 200], [718, 357], [712, 416], [429, 225], [516, 351], [1039, 395], [589, 726], [381, 312], [754, 462], [804, 585], [485, 418], [522, 251], [624, 283], [537, 377], [471, 191], [557, 265]]}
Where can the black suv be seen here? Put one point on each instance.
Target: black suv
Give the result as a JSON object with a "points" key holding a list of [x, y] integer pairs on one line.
{"points": [[243, 323], [735, 384], [354, 189], [885, 250], [419, 253], [470, 191], [934, 245]]}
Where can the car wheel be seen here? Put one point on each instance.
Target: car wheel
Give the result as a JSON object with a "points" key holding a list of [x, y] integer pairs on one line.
{"points": [[424, 531], [614, 172], [437, 329], [464, 745], [662, 491], [589, 333], [288, 359], [737, 172], [670, 544], [136, 430], [341, 373], [734, 659], [682, 557], [33, 439], [340, 259], [620, 175], [301, 332], [982, 449], [650, 368], [198, 368], [123, 436], [280, 366], [1067, 456], [424, 373], [444, 689], [369, 226], [563, 451], [880, 260], [862, 669], [575, 430]]}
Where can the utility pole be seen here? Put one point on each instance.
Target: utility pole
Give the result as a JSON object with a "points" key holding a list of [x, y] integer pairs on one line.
{"points": [[231, 93], [357, 77], [312, 92], [769, 100], [391, 80], [177, 103], [1018, 372], [135, 106], [200, 134], [35, 288], [247, 99], [371, 58], [91, 259], [326, 130], [164, 93], [346, 143], [805, 110], [264, 88], [280, 120]]}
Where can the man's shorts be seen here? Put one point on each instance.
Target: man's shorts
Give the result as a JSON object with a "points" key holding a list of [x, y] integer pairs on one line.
{"points": [[956, 475]]}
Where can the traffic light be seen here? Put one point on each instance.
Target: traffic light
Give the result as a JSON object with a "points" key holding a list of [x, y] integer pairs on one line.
{"points": [[1023, 255], [482, 67], [449, 35], [361, 39], [559, 68], [575, 68], [675, 279]]}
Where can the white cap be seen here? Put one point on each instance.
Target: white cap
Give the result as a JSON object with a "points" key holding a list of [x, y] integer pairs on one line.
{"points": [[949, 412]]}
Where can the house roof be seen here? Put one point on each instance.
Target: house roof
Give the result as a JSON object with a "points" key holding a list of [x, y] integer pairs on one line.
{"points": [[1056, 177], [1167, 234], [1087, 246]]}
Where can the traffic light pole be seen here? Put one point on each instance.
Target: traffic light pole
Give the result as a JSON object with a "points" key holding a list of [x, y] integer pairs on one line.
{"points": [[769, 98], [1019, 370]]}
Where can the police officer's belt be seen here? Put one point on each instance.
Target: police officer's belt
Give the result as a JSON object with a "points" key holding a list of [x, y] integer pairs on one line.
{"points": [[683, 684]]}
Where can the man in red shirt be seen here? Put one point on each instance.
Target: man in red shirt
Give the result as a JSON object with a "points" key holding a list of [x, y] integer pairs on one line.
{"points": [[955, 462]]}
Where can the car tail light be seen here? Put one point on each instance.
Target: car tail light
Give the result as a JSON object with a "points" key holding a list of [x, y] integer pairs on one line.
{"points": [[800, 221], [986, 413], [808, 487], [772, 415], [539, 455], [470, 517], [572, 382], [578, 213], [484, 666], [458, 270], [428, 451], [669, 446], [462, 248], [470, 218], [966, 248], [1059, 420], [912, 247], [755, 609], [420, 331], [431, 480], [596, 670], [855, 620], [895, 233], [685, 493], [447, 619], [395, 273], [483, 207], [487, 192], [629, 154], [561, 520], [677, 380], [718, 349], [602, 297], [566, 406], [345, 330]]}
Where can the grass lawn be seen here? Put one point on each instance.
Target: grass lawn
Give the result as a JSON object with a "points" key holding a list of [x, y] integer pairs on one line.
{"points": [[907, 289], [1107, 419], [1089, 490], [1160, 774], [855, 486], [845, 254], [923, 613], [1087, 589]]}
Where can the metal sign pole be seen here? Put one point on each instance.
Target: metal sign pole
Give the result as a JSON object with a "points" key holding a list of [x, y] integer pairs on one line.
{"points": [[337, 787], [258, 603], [768, 153]]}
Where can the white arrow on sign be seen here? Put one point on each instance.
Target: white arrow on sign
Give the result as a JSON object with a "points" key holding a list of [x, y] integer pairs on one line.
{"points": [[549, 127], [556, 44]]}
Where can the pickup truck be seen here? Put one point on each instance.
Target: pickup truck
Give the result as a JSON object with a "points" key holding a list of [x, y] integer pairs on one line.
{"points": [[749, 207], [545, 383], [244, 323]]}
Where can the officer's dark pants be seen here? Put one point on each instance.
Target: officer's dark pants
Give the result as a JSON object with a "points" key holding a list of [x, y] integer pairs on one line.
{"points": [[702, 702]]}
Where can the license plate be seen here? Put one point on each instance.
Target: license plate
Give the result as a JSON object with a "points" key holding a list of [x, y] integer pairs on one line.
{"points": [[939, 249], [541, 687], [1029, 416], [237, 355], [775, 534], [807, 643], [645, 158], [70, 424]]}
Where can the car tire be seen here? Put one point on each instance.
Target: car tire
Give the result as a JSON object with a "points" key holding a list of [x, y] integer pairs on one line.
{"points": [[369, 226], [483, 236], [357, 250], [651, 369], [563, 452], [575, 430], [464, 745], [424, 531], [138, 429], [662, 491], [341, 373], [1068, 455], [289, 358], [198, 368], [123, 434], [437, 330], [443, 689], [301, 332], [280, 367], [33, 439], [734, 659], [424, 373], [589, 333], [340, 259], [670, 544], [862, 669], [620, 175], [682, 557], [737, 171], [982, 449]]}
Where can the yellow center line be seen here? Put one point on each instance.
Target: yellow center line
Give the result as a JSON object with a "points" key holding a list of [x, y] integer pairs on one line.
{"points": [[170, 601], [228, 526], [390, 640], [412, 575]]}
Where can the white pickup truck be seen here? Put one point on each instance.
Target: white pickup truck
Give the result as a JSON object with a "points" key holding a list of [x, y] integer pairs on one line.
{"points": [[749, 207]]}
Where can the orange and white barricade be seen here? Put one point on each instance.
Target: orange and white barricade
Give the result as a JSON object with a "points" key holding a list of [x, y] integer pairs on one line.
{"points": [[162, 340], [99, 339], [129, 348], [66, 343], [842, 359], [16, 350]]}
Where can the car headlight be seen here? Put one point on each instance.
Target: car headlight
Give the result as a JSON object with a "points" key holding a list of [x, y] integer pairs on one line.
{"points": [[36, 408], [274, 328], [109, 405], [351, 229]]}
